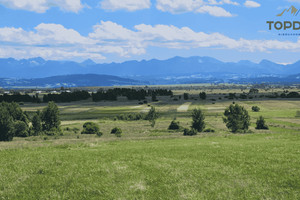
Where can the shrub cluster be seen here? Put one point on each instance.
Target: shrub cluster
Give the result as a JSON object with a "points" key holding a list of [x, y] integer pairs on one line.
{"points": [[91, 128], [255, 109], [131, 117], [190, 132], [117, 131]]}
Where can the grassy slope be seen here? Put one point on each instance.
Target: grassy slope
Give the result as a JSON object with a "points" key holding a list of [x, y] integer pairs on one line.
{"points": [[152, 163], [259, 166]]}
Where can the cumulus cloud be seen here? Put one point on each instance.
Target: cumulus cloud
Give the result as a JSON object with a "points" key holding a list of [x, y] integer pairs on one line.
{"points": [[54, 41], [130, 5], [41, 6], [211, 7], [214, 11], [251, 4]]}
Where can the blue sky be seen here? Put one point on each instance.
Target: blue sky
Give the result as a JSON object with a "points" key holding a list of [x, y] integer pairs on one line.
{"points": [[119, 30]]}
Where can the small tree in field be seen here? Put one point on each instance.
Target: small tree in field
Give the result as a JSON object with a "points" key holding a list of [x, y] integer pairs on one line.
{"points": [[174, 125], [50, 118], [185, 96], [261, 123], [236, 118], [198, 120], [202, 95], [152, 116]]}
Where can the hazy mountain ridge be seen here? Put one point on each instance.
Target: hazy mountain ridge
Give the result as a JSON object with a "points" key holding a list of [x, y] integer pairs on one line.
{"points": [[80, 80], [38, 67], [37, 72]]}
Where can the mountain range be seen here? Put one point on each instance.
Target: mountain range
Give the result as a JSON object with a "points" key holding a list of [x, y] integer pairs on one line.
{"points": [[37, 71]]}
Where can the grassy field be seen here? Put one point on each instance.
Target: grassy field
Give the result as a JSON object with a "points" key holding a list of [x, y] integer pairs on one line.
{"points": [[152, 162], [260, 166]]}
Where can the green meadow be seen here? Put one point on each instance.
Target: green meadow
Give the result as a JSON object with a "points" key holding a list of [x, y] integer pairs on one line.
{"points": [[153, 162]]}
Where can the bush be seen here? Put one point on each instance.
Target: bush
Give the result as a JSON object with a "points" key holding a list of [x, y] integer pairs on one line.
{"points": [[174, 125], [90, 128], [209, 130], [236, 118], [261, 124], [116, 130], [255, 109], [198, 120], [189, 132], [99, 134]]}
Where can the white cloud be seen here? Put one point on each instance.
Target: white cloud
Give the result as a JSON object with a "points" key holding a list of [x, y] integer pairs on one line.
{"points": [[197, 6], [130, 5], [251, 4], [45, 34], [41, 6], [214, 2], [53, 41], [214, 11], [178, 6], [48, 53]]}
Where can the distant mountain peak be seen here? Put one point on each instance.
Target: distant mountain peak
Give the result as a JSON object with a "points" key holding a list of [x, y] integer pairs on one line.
{"points": [[88, 62]]}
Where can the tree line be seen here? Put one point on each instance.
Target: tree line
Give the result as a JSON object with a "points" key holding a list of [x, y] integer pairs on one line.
{"points": [[17, 97], [67, 96], [131, 94], [16, 123]]}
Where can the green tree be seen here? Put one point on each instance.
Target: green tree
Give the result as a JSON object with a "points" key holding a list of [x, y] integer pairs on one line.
{"points": [[261, 123], [202, 95], [6, 124], [20, 129], [152, 115], [50, 118], [174, 125], [198, 120], [37, 123], [236, 118], [90, 128], [185, 96], [15, 111]]}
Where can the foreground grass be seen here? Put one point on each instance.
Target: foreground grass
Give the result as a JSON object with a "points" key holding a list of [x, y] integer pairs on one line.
{"points": [[252, 166]]}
